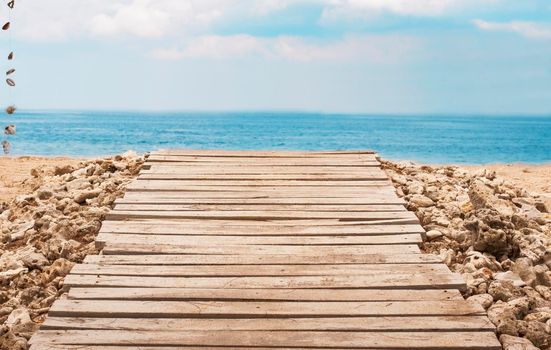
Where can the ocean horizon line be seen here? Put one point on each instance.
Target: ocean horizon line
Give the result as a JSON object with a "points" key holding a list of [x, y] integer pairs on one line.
{"points": [[290, 111]]}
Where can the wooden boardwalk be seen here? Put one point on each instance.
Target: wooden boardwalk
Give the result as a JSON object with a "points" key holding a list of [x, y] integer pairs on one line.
{"points": [[263, 250]]}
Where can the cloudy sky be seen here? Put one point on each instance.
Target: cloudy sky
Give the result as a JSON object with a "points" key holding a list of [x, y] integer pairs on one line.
{"points": [[353, 56]]}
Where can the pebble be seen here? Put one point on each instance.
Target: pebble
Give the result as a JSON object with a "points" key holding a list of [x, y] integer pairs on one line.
{"points": [[433, 234], [516, 343], [484, 300]]}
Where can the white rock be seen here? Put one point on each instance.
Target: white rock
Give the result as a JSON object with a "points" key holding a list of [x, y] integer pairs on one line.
{"points": [[510, 276], [485, 300], [515, 343], [433, 234], [9, 274], [421, 201], [18, 316]]}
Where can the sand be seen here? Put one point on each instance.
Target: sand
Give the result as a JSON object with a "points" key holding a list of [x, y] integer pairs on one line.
{"points": [[15, 173], [536, 179]]}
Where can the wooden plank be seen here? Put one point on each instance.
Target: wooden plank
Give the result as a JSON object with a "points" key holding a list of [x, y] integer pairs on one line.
{"points": [[232, 229], [273, 155], [287, 161], [230, 309], [152, 248], [264, 183], [198, 294], [277, 156], [256, 153], [369, 187], [259, 215], [319, 161], [210, 198], [282, 339], [268, 223], [261, 259], [259, 169], [156, 175], [378, 281], [261, 270], [115, 238], [348, 324], [267, 192], [267, 207]]}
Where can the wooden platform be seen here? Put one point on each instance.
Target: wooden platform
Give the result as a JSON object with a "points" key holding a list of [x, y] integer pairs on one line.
{"points": [[263, 250]]}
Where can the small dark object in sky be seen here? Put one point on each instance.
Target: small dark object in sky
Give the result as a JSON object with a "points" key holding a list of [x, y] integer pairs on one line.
{"points": [[10, 56], [10, 109], [10, 82], [6, 146], [10, 71], [11, 4], [6, 26], [9, 130]]}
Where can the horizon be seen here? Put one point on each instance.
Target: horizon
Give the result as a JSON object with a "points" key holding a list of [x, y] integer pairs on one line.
{"points": [[416, 57], [275, 111]]}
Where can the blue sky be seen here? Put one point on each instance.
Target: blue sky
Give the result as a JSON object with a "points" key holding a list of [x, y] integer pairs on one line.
{"points": [[351, 56]]}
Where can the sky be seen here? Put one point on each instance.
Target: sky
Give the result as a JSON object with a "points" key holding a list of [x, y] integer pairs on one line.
{"points": [[346, 56]]}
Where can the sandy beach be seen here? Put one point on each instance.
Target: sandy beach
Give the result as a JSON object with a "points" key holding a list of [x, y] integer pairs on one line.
{"points": [[16, 177], [490, 223]]}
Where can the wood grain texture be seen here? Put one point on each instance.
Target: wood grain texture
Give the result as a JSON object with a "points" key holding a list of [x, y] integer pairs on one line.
{"points": [[282, 339]]}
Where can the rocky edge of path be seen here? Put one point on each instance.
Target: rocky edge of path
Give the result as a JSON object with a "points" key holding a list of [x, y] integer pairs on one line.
{"points": [[497, 235], [43, 234]]}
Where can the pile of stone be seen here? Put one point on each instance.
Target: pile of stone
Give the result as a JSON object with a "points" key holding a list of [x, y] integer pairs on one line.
{"points": [[498, 236], [43, 234]]}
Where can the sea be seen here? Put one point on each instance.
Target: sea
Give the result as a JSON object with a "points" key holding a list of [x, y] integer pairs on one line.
{"points": [[426, 139]]}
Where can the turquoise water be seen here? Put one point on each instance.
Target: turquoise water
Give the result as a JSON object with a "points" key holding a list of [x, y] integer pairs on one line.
{"points": [[432, 139]]}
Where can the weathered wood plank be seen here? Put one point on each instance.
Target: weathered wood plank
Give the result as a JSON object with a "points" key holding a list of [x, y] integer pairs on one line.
{"points": [[282, 339], [127, 248], [318, 161], [259, 215], [173, 168], [230, 309], [264, 259], [378, 281], [368, 187], [198, 294], [232, 229], [156, 175], [264, 207], [109, 238], [349, 324], [265, 155], [261, 270], [264, 183], [247, 153], [210, 198]]}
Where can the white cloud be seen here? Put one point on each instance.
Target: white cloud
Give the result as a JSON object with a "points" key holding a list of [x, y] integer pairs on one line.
{"points": [[64, 19], [526, 29], [335, 9], [214, 47], [372, 48]]}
